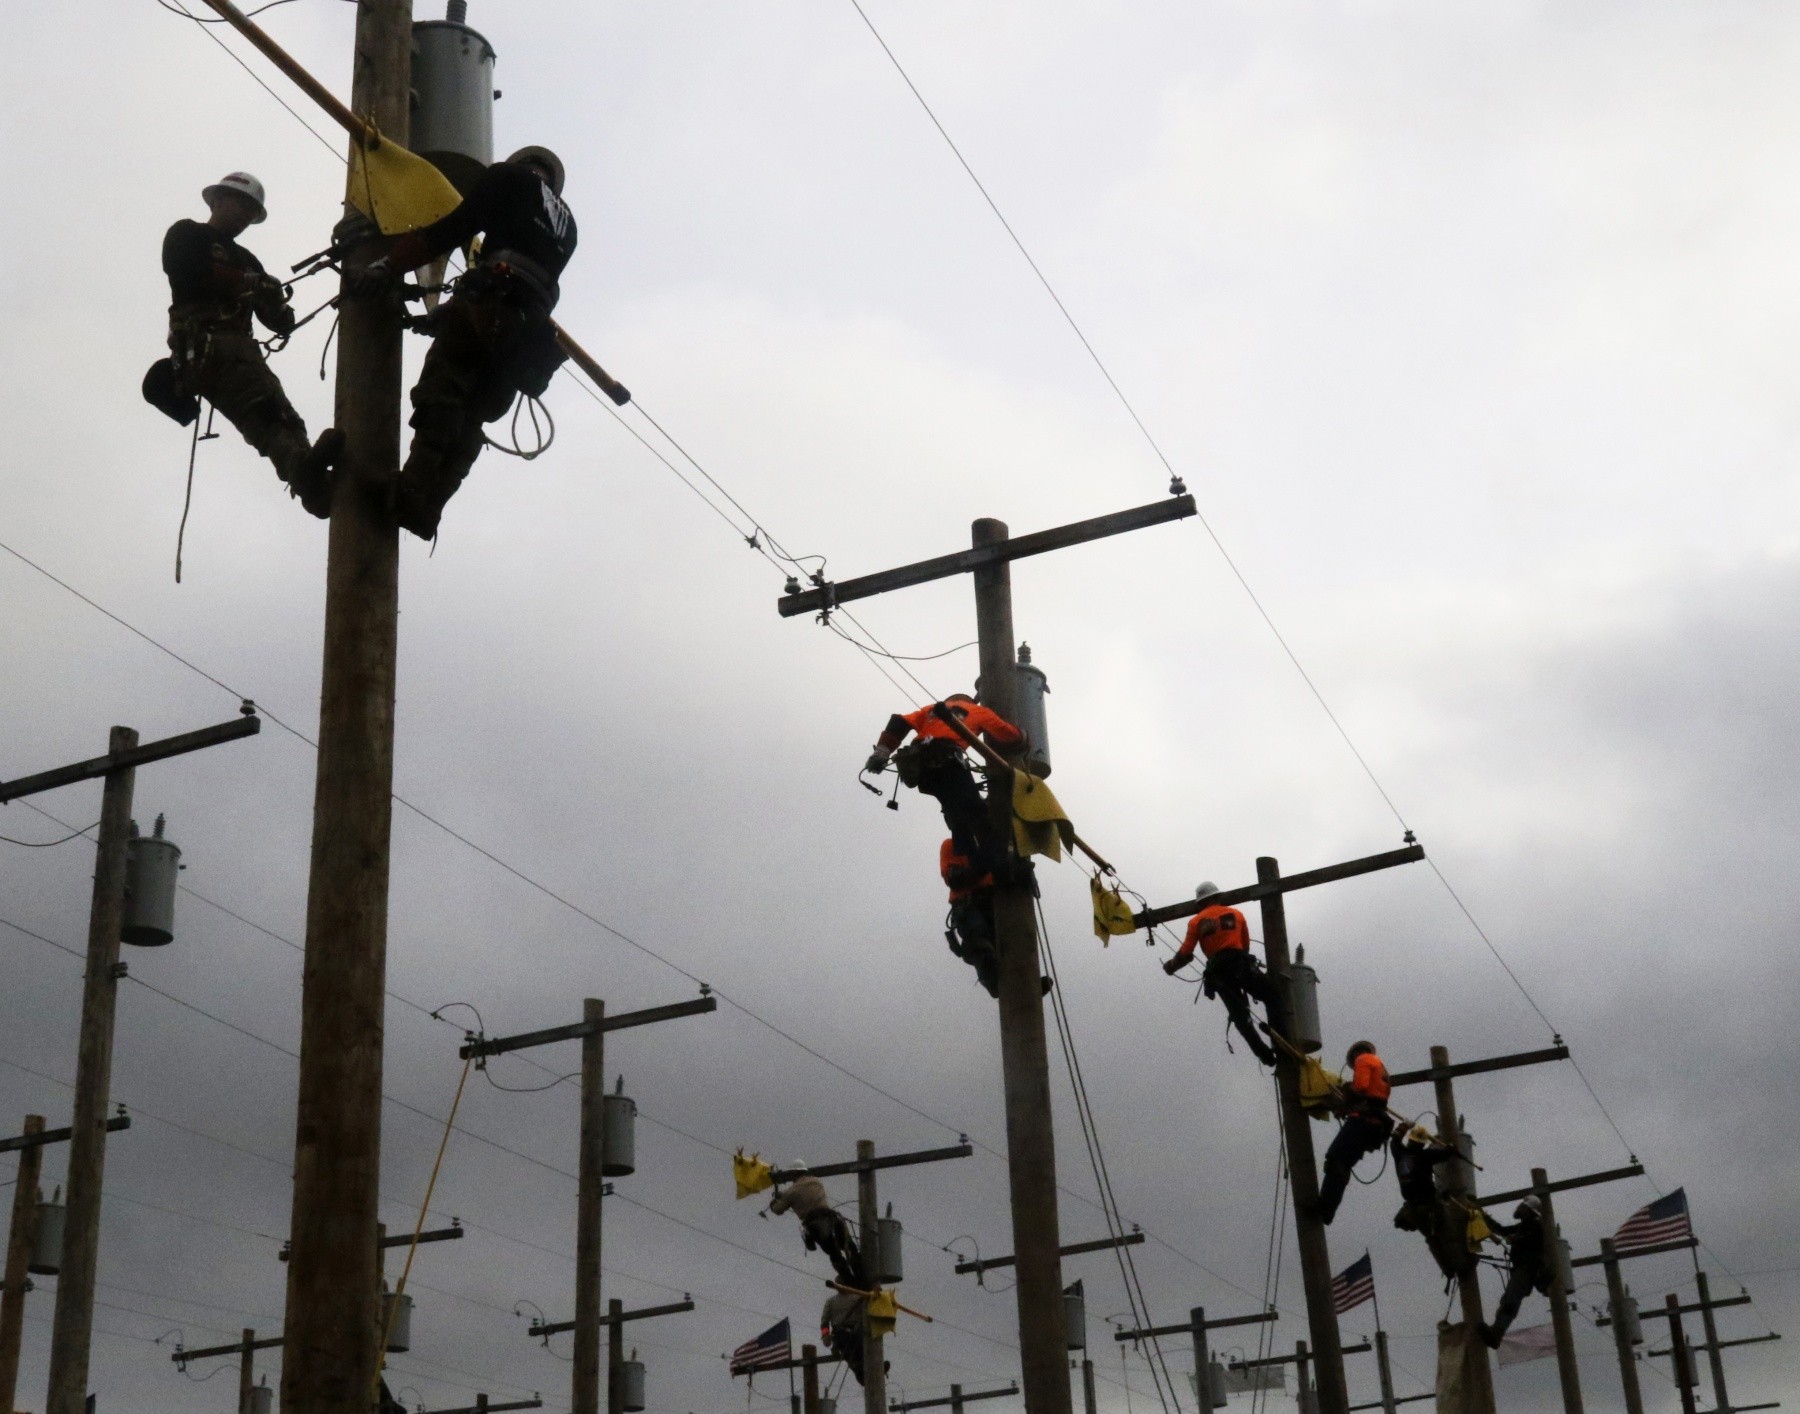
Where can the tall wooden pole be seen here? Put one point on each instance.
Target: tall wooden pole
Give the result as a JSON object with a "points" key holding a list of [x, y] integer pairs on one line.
{"points": [[1615, 1292], [20, 1238], [1202, 1361], [1566, 1368], [1386, 1372], [72, 1333], [1457, 1184], [615, 1356], [809, 1379], [1024, 1051], [1714, 1356], [1307, 1397], [1303, 1169], [590, 1185], [333, 1308], [1683, 1358], [247, 1372], [956, 1399], [868, 1228], [1088, 1401]]}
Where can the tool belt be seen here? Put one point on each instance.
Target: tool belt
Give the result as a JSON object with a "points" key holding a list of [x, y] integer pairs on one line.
{"points": [[916, 758], [530, 350], [523, 273]]}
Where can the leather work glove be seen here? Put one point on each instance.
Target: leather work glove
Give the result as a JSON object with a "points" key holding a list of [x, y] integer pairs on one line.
{"points": [[877, 763], [1172, 966], [374, 280], [279, 317]]}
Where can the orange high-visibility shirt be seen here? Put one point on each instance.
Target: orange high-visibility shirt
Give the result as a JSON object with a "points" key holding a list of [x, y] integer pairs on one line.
{"points": [[1213, 930], [976, 718], [1369, 1078], [948, 860]]}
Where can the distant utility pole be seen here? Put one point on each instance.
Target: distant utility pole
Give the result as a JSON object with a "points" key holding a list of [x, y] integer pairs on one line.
{"points": [[1388, 1403], [1196, 1326], [809, 1364], [1674, 1310], [72, 1331], [1024, 1054], [1567, 1370], [864, 1166], [590, 1184], [1270, 890], [955, 1400], [1310, 1396], [481, 1406]]}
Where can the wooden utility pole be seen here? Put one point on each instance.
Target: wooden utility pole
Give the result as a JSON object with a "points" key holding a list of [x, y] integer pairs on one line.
{"points": [[1196, 1326], [954, 1401], [247, 1372], [1303, 1169], [72, 1332], [333, 1298], [1685, 1378], [1459, 1184], [1617, 1299], [809, 1379], [1715, 1356], [868, 1231], [20, 1238], [1568, 1372], [590, 1190], [615, 1356], [1089, 1403], [1385, 1372], [1024, 1052]]}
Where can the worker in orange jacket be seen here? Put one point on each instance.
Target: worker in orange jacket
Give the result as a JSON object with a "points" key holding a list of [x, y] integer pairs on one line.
{"points": [[969, 929], [936, 765], [1367, 1125], [1232, 973]]}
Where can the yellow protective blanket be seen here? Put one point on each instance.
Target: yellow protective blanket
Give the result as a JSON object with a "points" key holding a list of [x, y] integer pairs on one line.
{"points": [[752, 1174], [1319, 1088], [1478, 1231], [1039, 824], [1112, 915], [398, 190], [883, 1313]]}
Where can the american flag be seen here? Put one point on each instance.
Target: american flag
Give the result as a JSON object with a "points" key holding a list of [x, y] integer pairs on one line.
{"points": [[773, 1347], [1665, 1220], [1353, 1286]]}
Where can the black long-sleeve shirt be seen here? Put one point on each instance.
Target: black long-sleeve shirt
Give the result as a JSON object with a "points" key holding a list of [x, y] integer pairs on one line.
{"points": [[513, 209], [204, 264]]}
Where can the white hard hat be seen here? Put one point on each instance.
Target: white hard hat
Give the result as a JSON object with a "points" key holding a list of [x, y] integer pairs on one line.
{"points": [[244, 185], [545, 158], [797, 1166], [1206, 890]]}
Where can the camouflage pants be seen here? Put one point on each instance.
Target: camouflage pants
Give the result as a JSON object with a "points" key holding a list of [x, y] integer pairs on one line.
{"points": [[232, 375]]}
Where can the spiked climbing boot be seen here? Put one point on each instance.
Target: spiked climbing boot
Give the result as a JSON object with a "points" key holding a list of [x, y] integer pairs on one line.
{"points": [[309, 478]]}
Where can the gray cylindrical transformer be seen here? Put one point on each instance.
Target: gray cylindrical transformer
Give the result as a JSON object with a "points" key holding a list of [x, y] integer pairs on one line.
{"points": [[1215, 1398], [453, 99], [618, 1136], [631, 1385], [1033, 719], [262, 1398], [891, 1265], [152, 869], [1303, 1006], [1308, 1397], [1565, 1265], [1628, 1318], [1075, 1316], [828, 1404], [396, 1318], [47, 1246], [1459, 1173]]}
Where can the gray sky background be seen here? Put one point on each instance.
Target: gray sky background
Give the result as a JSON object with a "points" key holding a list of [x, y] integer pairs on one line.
{"points": [[1470, 329]]}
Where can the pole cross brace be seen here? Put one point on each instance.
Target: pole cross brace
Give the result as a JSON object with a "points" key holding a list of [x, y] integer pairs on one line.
{"points": [[1664, 1311], [986, 1264], [181, 1357], [1403, 1399], [1310, 1357], [499, 1045], [643, 1313], [247, 725], [787, 1365], [403, 1239], [1722, 1345], [1652, 1250], [957, 1398], [1018, 547], [1287, 884], [57, 1136], [1562, 1185], [1186, 1326], [1479, 1067], [884, 1161], [533, 1403]]}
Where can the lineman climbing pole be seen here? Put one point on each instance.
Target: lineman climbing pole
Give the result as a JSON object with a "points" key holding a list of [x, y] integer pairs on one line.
{"points": [[1024, 1054]]}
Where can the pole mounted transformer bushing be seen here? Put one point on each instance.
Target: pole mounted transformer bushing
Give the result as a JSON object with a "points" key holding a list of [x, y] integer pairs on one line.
{"points": [[453, 96], [1303, 1006], [618, 1134], [152, 871], [1029, 713], [262, 1399], [631, 1384]]}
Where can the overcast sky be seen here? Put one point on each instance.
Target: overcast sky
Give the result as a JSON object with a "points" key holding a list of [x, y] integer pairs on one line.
{"points": [[1470, 328]]}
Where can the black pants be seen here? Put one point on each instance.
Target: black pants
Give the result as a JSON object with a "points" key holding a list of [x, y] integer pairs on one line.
{"points": [[1361, 1134], [231, 374], [1522, 1278], [971, 937], [1234, 977], [944, 775], [847, 1345], [827, 1231]]}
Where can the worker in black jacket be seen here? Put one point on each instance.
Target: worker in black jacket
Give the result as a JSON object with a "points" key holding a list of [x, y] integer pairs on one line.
{"points": [[215, 286], [1528, 1266], [493, 339]]}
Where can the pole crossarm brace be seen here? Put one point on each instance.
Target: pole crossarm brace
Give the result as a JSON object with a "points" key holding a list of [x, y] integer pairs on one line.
{"points": [[1309, 1357], [246, 725], [1186, 1326], [884, 1161], [1479, 1067], [1723, 1344], [406, 1239], [181, 1357], [1652, 1250], [1746, 1408], [1403, 1399], [1664, 1312], [788, 1365], [829, 596], [533, 1403], [1103, 1244], [57, 1136], [1562, 1185], [1287, 884], [643, 1313], [956, 1398], [499, 1045]]}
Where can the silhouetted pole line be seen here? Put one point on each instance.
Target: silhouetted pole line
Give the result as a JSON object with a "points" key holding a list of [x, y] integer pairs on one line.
{"points": [[21, 1236], [955, 1400], [334, 1307], [1568, 1372], [1616, 1298], [978, 1265]]}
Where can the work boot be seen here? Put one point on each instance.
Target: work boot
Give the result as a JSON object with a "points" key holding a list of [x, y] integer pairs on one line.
{"points": [[416, 510], [310, 479], [1490, 1337]]}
